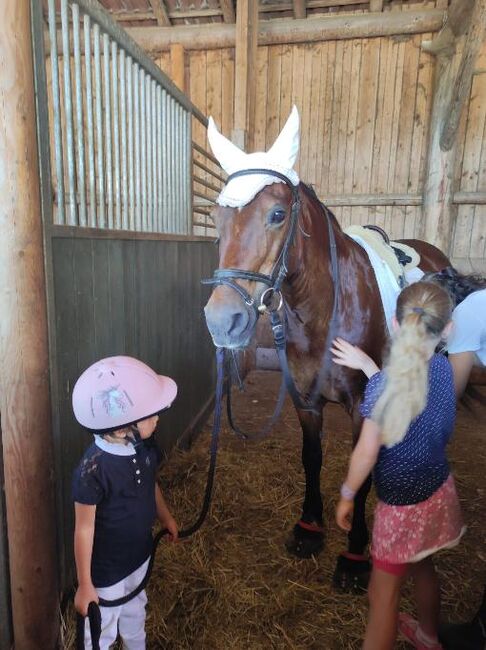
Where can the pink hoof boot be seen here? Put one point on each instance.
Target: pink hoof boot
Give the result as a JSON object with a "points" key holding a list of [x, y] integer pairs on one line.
{"points": [[410, 629]]}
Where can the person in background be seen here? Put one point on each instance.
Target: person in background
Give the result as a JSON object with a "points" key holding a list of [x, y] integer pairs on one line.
{"points": [[409, 415], [115, 491], [466, 346]]}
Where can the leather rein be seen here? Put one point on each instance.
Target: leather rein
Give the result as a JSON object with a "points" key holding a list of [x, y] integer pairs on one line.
{"points": [[274, 282]]}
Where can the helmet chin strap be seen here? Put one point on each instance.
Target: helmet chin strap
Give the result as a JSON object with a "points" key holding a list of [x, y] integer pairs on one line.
{"points": [[136, 439]]}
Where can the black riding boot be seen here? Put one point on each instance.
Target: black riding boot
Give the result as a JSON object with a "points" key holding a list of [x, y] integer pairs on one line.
{"points": [[466, 636]]}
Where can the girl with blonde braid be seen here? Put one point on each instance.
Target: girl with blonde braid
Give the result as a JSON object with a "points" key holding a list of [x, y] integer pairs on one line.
{"points": [[409, 414]]}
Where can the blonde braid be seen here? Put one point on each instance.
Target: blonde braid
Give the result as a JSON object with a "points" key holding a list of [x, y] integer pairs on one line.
{"points": [[423, 310]]}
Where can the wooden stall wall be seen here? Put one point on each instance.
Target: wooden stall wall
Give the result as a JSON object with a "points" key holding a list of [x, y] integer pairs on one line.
{"points": [[136, 296], [469, 235], [365, 108]]}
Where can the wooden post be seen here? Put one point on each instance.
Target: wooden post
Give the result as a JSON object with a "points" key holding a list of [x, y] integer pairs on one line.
{"points": [[300, 10], [228, 11], [439, 211], [245, 65], [177, 65], [24, 373], [376, 5], [462, 86]]}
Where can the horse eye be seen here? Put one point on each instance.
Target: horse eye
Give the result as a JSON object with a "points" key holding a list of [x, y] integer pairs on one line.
{"points": [[276, 217]]}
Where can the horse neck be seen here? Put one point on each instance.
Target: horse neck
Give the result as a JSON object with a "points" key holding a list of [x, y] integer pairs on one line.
{"points": [[311, 288], [311, 278]]}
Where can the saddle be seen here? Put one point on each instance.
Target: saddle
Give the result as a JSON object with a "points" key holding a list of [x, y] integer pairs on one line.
{"points": [[398, 256]]}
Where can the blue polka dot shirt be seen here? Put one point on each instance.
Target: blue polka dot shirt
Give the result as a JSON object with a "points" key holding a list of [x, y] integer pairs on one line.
{"points": [[412, 470]]}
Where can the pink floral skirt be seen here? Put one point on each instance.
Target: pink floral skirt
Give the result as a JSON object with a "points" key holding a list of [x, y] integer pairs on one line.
{"points": [[404, 534]]}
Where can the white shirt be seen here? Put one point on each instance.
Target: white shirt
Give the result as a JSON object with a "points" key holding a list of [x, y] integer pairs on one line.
{"points": [[469, 326]]}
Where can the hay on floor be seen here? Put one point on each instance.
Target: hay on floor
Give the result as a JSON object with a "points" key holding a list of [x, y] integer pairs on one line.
{"points": [[233, 585]]}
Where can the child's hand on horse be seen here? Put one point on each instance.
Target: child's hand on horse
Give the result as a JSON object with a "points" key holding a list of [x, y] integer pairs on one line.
{"points": [[346, 354]]}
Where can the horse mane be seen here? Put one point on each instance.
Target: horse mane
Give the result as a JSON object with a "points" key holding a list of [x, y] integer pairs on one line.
{"points": [[310, 192]]}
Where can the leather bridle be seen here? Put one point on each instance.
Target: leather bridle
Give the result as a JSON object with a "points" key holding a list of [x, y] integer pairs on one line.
{"points": [[274, 283]]}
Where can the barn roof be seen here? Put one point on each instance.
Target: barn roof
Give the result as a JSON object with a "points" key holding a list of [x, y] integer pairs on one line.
{"points": [[166, 13]]}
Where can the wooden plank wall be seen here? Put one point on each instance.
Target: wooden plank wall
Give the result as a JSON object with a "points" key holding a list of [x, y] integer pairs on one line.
{"points": [[469, 236], [365, 108], [128, 296]]}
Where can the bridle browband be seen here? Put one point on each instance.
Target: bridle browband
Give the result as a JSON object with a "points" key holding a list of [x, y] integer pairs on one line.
{"points": [[274, 283]]}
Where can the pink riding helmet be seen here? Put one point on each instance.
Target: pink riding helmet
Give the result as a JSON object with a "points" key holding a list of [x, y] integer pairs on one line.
{"points": [[118, 391]]}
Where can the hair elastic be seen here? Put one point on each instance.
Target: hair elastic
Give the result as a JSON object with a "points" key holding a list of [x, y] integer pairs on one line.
{"points": [[418, 310]]}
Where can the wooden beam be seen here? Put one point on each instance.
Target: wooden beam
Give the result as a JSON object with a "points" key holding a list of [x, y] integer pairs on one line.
{"points": [[141, 16], [245, 65], [24, 378], [457, 23], [177, 65], [299, 8], [376, 5], [160, 11], [343, 200], [470, 198], [274, 32], [228, 11], [462, 86]]}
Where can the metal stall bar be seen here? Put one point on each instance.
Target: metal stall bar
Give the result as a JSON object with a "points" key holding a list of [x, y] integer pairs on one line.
{"points": [[136, 139], [131, 151], [68, 114], [56, 101], [116, 134], [79, 117], [90, 121], [148, 153], [108, 134], [143, 155], [123, 136], [155, 186], [165, 160], [99, 127]]}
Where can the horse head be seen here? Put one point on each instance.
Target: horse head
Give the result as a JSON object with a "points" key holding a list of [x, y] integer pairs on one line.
{"points": [[256, 217]]}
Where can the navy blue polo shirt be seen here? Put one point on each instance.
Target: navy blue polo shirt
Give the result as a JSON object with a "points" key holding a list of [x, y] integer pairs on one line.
{"points": [[121, 484], [412, 470]]}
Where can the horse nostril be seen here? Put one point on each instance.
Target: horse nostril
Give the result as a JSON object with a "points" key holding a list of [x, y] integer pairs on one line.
{"points": [[237, 323]]}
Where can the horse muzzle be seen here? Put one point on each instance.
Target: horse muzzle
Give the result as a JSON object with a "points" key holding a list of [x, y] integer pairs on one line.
{"points": [[231, 322]]}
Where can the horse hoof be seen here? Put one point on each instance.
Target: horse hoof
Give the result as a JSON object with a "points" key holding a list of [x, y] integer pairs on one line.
{"points": [[304, 543], [351, 576]]}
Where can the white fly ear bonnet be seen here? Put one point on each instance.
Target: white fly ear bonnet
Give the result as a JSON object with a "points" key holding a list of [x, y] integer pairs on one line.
{"points": [[280, 158]]}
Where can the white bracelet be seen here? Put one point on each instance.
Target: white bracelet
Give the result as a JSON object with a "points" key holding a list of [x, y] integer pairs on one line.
{"points": [[347, 492]]}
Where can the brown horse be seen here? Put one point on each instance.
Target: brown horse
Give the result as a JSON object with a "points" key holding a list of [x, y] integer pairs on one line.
{"points": [[286, 232]]}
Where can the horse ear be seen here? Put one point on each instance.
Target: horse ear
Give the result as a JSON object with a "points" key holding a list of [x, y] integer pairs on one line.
{"points": [[228, 154], [286, 147]]}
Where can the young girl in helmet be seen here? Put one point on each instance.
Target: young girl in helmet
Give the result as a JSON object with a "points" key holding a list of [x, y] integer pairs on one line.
{"points": [[115, 491], [409, 411]]}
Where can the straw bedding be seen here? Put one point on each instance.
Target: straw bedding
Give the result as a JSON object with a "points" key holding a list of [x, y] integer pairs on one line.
{"points": [[233, 585]]}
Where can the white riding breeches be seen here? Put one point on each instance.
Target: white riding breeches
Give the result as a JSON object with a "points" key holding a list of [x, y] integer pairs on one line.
{"points": [[128, 620]]}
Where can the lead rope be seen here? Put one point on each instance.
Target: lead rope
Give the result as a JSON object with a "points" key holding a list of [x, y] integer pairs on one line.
{"points": [[94, 615]]}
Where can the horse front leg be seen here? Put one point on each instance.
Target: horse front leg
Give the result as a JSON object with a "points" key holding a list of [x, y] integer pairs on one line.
{"points": [[353, 567], [307, 537]]}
